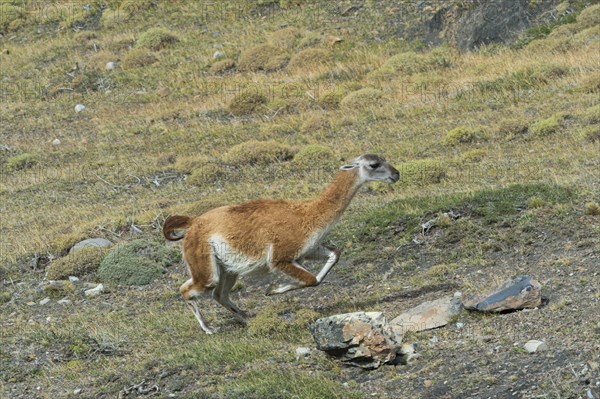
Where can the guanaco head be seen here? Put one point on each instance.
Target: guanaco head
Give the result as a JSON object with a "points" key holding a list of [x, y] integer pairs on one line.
{"points": [[373, 168]]}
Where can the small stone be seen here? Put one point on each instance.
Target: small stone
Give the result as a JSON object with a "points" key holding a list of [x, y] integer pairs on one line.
{"points": [[65, 301], [218, 55], [45, 301], [30, 303], [79, 107], [535, 346], [73, 279], [56, 142], [77, 391], [457, 294], [91, 242], [427, 383], [434, 339], [407, 353], [87, 285], [460, 325], [95, 291], [302, 351], [110, 66]]}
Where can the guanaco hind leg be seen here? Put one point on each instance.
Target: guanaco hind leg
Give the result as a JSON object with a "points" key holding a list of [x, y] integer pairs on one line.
{"points": [[221, 293]]}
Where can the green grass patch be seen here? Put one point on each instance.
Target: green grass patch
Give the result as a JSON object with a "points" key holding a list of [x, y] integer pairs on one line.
{"points": [[21, 161], [276, 383], [282, 319], [546, 127]]}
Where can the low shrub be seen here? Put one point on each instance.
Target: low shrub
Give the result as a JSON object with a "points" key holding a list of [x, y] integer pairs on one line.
{"points": [[222, 67], [423, 171], [137, 262], [314, 153], [246, 103], [463, 134], [138, 58], [80, 263], [307, 59], [362, 98], [256, 152], [156, 39], [264, 57]]}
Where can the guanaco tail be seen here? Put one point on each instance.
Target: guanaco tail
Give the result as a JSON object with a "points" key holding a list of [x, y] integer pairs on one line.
{"points": [[267, 235]]}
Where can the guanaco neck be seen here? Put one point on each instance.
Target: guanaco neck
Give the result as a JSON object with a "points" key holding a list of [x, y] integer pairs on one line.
{"points": [[336, 197]]}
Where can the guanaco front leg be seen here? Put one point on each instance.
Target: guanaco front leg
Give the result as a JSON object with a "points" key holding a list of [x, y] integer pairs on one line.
{"points": [[303, 278]]}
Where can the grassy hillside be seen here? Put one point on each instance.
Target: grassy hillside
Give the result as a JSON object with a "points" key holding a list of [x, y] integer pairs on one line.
{"points": [[208, 105]]}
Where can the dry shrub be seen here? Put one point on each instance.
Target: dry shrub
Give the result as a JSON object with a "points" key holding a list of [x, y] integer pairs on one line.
{"points": [[263, 57]]}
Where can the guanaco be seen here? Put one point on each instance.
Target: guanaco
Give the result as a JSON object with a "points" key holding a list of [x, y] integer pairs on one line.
{"points": [[266, 235]]}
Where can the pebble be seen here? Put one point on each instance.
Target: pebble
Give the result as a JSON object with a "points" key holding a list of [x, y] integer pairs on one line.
{"points": [[110, 66], [460, 325], [95, 291], [457, 294], [77, 391], [533, 346], [73, 279], [427, 383], [56, 142], [434, 339], [79, 107], [65, 301], [217, 55], [302, 351], [45, 301]]}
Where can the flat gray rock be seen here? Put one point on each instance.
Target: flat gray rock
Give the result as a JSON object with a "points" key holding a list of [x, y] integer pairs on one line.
{"points": [[90, 242], [518, 293], [427, 315]]}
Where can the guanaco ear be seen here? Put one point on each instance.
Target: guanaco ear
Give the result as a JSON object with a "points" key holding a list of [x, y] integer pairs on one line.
{"points": [[349, 167]]}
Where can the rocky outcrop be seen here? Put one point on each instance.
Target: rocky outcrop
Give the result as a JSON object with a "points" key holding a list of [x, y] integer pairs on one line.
{"points": [[362, 339]]}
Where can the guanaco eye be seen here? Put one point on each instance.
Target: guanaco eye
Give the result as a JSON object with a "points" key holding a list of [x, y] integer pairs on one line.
{"points": [[375, 165]]}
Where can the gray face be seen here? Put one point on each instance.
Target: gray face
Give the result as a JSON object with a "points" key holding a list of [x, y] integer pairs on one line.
{"points": [[373, 168]]}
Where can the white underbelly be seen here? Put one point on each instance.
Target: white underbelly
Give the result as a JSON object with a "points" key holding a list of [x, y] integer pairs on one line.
{"points": [[236, 261]]}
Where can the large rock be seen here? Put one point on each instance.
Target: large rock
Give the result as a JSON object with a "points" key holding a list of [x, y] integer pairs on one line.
{"points": [[473, 24], [427, 315], [519, 293], [358, 339], [90, 242]]}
